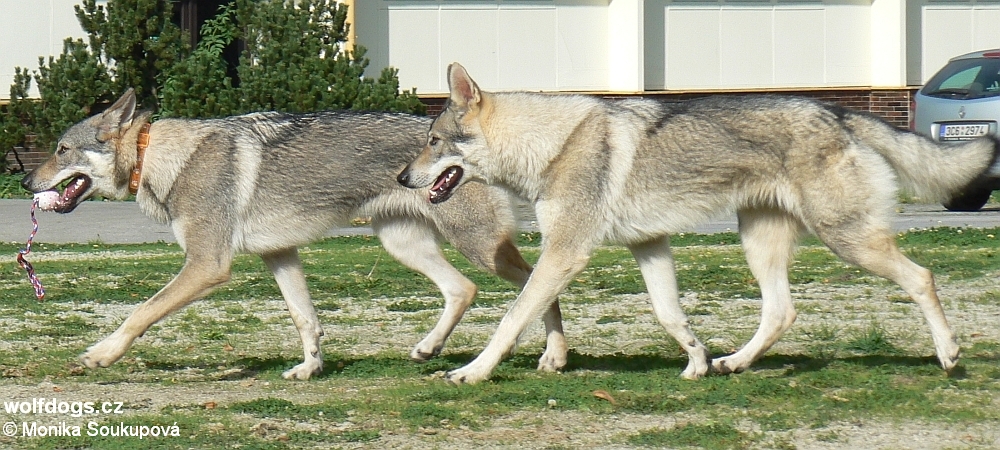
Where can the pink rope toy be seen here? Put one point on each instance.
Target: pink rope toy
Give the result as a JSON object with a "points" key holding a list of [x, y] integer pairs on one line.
{"points": [[39, 290]]}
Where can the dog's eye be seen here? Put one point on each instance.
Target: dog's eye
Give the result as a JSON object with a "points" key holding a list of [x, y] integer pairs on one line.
{"points": [[434, 140], [62, 149]]}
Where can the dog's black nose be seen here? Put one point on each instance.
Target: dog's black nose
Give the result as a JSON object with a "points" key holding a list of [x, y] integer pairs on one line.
{"points": [[26, 181], [404, 177]]}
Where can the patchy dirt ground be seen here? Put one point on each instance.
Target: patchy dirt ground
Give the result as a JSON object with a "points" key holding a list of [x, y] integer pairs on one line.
{"points": [[592, 327]]}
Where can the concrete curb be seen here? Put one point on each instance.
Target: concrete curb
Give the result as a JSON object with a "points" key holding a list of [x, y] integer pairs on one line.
{"points": [[124, 223]]}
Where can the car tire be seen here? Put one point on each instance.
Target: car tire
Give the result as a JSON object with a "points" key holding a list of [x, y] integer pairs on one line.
{"points": [[968, 202]]}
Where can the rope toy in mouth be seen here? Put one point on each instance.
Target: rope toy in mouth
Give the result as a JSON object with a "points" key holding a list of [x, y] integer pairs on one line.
{"points": [[39, 290]]}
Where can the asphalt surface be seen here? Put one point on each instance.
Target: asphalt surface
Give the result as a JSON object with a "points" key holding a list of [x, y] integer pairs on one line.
{"points": [[123, 223]]}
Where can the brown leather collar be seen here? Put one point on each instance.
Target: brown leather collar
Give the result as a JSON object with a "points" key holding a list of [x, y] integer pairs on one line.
{"points": [[140, 150]]}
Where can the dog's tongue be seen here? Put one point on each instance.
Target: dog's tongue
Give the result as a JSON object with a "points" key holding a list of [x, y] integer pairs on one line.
{"points": [[442, 188], [443, 180]]}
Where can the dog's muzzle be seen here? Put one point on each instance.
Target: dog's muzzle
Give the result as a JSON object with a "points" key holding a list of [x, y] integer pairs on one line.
{"points": [[442, 188], [64, 202]]}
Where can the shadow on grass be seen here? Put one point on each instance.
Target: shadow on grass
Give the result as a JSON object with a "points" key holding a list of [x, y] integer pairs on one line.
{"points": [[793, 364], [393, 366], [247, 367], [333, 366], [619, 362], [799, 363]]}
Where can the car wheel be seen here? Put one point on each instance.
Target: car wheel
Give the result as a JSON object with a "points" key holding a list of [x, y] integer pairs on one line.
{"points": [[969, 201]]}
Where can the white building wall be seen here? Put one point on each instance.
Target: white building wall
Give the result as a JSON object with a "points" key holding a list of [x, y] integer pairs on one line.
{"points": [[954, 27], [622, 45], [888, 43], [764, 44], [619, 45], [625, 46], [528, 44], [29, 29]]}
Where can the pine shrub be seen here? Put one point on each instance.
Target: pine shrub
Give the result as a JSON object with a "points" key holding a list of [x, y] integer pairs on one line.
{"points": [[294, 60]]}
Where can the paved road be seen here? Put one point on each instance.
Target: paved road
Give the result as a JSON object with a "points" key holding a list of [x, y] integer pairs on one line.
{"points": [[122, 222]]}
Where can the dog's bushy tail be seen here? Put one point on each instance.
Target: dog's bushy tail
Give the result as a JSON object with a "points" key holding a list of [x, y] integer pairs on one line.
{"points": [[933, 171]]}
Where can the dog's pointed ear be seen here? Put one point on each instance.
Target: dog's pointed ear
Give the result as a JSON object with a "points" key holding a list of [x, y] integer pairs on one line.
{"points": [[465, 93], [118, 117]]}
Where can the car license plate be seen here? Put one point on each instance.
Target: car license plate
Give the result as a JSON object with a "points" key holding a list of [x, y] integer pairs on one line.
{"points": [[960, 131]]}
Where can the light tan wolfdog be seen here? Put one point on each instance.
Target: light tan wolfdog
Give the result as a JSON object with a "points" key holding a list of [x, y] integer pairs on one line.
{"points": [[634, 171], [266, 183]]}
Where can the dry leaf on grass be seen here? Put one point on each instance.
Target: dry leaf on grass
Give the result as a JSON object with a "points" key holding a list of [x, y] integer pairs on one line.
{"points": [[602, 394]]}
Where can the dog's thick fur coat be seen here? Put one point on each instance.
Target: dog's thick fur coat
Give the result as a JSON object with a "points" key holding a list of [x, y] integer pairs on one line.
{"points": [[265, 183], [634, 171]]}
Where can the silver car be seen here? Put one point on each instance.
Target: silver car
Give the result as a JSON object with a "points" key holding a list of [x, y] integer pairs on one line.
{"points": [[962, 101]]}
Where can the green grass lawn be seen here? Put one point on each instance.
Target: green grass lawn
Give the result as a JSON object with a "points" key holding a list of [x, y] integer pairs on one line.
{"points": [[858, 358]]}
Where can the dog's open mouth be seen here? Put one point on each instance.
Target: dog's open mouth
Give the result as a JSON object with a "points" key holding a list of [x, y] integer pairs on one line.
{"points": [[445, 184], [66, 201]]}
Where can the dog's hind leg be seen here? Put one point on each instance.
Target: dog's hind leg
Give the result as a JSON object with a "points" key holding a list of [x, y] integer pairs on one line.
{"points": [[656, 262], [873, 247], [287, 270], [769, 237], [204, 270], [414, 244]]}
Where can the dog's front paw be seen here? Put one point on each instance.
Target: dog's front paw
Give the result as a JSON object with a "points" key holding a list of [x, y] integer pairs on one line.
{"points": [[463, 376], [456, 379], [698, 363], [93, 362], [697, 366], [948, 354], [303, 371], [726, 366], [104, 353], [949, 363], [424, 351], [552, 361]]}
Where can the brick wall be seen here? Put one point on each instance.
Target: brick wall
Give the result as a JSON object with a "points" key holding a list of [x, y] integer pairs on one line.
{"points": [[31, 158], [28, 156], [434, 105], [892, 105]]}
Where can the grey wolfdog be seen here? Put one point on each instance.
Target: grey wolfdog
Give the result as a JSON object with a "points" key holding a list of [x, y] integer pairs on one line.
{"points": [[634, 171], [265, 183]]}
